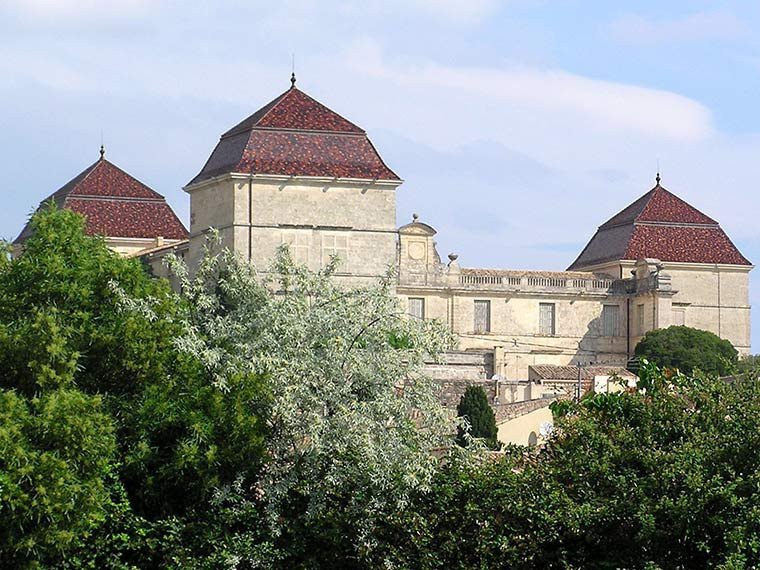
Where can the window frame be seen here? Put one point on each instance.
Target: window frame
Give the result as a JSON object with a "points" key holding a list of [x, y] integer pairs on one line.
{"points": [[614, 329], [553, 313], [486, 328], [421, 316], [328, 250], [299, 243]]}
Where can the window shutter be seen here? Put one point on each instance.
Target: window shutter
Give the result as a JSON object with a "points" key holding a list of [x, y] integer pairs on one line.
{"points": [[546, 319], [417, 307], [482, 320]]}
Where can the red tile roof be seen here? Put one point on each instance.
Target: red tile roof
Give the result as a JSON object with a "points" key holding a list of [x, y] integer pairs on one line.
{"points": [[296, 135], [133, 219], [116, 204], [660, 225]]}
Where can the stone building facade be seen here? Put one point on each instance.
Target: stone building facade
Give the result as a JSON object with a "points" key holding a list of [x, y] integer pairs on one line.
{"points": [[299, 174]]}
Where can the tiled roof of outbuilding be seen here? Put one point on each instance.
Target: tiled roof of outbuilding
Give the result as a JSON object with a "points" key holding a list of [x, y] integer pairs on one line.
{"points": [[116, 204], [557, 372], [660, 225], [296, 135]]}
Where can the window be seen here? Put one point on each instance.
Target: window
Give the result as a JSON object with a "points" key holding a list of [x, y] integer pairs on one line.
{"points": [[546, 322], [610, 320], [679, 316], [482, 320], [417, 308], [299, 244], [335, 244], [640, 319]]}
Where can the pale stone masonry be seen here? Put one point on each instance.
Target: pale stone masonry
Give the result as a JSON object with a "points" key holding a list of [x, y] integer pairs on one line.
{"points": [[316, 218], [299, 174], [322, 189]]}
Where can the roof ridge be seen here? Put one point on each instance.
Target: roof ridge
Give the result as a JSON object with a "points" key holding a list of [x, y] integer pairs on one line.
{"points": [[273, 104], [660, 191], [140, 182], [74, 182]]}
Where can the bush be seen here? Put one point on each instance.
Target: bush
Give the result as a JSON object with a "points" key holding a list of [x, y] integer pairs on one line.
{"points": [[688, 350]]}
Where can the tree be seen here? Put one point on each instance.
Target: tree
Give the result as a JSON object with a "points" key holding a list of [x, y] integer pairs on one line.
{"points": [[480, 420], [352, 419], [750, 365], [107, 429], [659, 478], [688, 350]]}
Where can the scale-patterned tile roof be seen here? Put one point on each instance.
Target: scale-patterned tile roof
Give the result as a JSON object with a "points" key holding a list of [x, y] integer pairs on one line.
{"points": [[116, 204], [660, 225], [296, 135]]}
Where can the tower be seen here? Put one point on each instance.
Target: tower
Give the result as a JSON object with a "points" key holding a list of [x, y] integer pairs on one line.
{"points": [[297, 173]]}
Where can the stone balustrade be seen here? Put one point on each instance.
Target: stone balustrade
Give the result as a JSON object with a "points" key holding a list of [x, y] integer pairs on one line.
{"points": [[553, 282], [506, 282]]}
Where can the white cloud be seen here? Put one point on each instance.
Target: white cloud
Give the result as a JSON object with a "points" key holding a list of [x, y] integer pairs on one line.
{"points": [[694, 27], [590, 104]]}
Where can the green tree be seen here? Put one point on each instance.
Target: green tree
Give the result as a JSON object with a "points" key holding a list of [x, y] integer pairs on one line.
{"points": [[480, 420], [106, 426], [663, 478], [688, 350], [750, 365], [343, 367]]}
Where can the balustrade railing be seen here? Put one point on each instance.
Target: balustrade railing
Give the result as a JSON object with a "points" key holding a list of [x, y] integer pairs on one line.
{"points": [[538, 282]]}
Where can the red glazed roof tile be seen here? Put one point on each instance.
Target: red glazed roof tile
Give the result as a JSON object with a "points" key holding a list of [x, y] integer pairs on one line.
{"points": [[684, 244], [296, 135], [126, 218], [660, 225], [116, 204]]}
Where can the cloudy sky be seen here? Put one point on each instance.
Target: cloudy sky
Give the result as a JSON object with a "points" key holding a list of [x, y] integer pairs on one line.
{"points": [[518, 126]]}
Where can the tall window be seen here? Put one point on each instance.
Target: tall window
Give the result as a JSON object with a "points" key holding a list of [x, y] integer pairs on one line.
{"points": [[335, 244], [482, 321], [299, 244], [417, 307], [546, 321], [640, 319], [610, 320]]}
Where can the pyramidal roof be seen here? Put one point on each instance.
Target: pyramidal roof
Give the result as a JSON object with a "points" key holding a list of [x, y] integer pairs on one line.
{"points": [[295, 135], [115, 204], [660, 225]]}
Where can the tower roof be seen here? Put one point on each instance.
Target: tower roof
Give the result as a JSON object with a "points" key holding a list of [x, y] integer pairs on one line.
{"points": [[663, 226], [296, 135], [115, 204]]}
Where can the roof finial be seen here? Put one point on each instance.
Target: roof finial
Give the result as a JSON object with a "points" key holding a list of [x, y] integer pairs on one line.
{"points": [[292, 70], [415, 217], [102, 152], [657, 178]]}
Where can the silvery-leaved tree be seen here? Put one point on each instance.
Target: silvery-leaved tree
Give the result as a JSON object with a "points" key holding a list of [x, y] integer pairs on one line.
{"points": [[352, 420]]}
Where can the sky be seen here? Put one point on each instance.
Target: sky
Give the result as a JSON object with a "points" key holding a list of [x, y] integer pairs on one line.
{"points": [[518, 126]]}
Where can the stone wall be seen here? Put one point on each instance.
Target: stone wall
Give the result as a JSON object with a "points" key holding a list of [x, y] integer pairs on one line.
{"points": [[460, 370]]}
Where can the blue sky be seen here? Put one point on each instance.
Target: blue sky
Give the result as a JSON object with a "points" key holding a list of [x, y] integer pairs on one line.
{"points": [[518, 126]]}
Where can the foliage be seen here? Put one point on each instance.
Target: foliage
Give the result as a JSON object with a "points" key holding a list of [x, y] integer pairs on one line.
{"points": [[750, 365], [688, 350], [343, 370], [106, 428], [480, 420], [286, 424], [665, 478], [55, 449]]}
